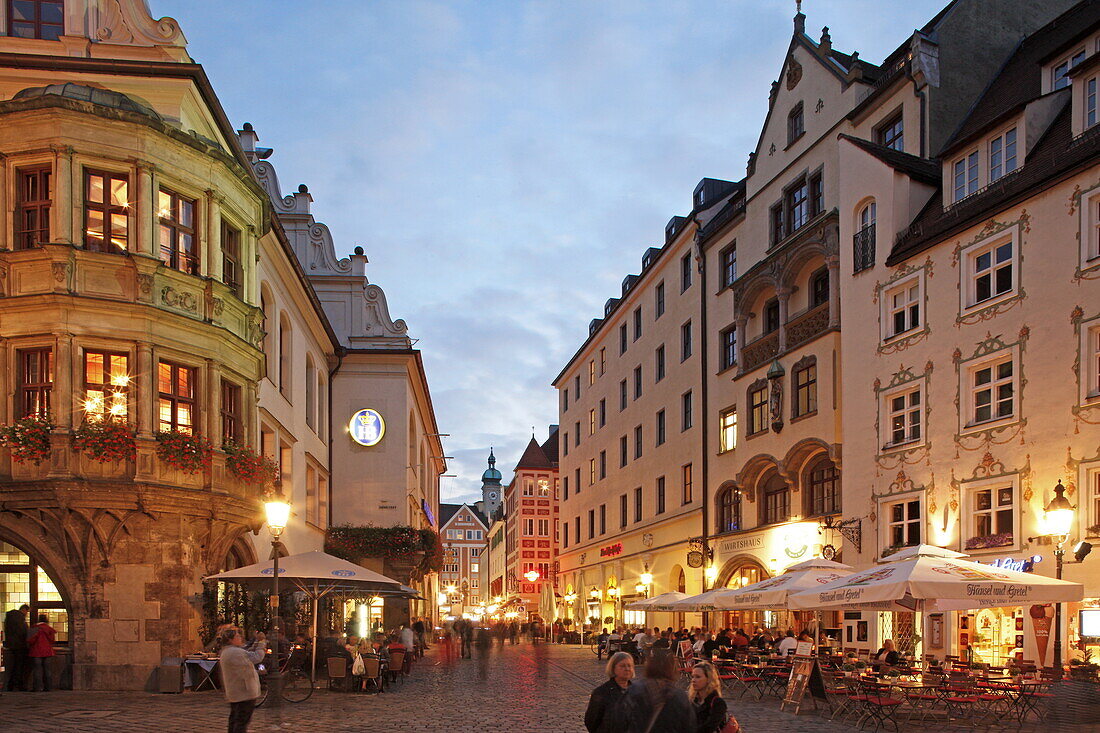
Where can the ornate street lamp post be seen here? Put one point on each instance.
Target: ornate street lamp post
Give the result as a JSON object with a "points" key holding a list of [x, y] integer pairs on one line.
{"points": [[1059, 523], [277, 509]]}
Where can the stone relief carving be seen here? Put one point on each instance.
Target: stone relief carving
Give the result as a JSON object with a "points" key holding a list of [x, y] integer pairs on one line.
{"points": [[378, 321], [323, 251], [270, 181], [129, 22], [176, 299]]}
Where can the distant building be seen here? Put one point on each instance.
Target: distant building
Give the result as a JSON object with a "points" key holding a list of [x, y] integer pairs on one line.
{"points": [[531, 519], [465, 534]]}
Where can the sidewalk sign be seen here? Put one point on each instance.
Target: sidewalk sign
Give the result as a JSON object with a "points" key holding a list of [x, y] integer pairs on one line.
{"points": [[805, 672]]}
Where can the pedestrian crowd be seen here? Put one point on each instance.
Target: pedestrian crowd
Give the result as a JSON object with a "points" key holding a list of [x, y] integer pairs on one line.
{"points": [[640, 642]]}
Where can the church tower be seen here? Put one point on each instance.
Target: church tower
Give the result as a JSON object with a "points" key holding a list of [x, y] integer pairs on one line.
{"points": [[492, 494]]}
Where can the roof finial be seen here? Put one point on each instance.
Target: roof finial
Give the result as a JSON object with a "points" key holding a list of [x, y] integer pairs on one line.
{"points": [[799, 18], [798, 6]]}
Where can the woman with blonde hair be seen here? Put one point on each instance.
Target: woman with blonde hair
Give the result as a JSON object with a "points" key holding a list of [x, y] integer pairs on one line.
{"points": [[706, 697], [602, 714]]}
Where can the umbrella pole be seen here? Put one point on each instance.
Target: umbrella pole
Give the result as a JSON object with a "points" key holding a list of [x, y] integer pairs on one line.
{"points": [[313, 661]]}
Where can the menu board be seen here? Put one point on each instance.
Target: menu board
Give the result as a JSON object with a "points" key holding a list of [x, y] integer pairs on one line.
{"points": [[805, 673]]}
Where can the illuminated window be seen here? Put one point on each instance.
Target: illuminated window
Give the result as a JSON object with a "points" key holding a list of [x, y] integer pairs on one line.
{"points": [[177, 232], [805, 389], [106, 385], [35, 381], [23, 580], [685, 483], [727, 430], [176, 397], [106, 212], [758, 409], [33, 195]]}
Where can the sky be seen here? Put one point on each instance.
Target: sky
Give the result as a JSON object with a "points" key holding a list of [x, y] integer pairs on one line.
{"points": [[505, 163]]}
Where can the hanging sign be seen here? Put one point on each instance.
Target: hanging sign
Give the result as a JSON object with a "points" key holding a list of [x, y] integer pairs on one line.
{"points": [[367, 427]]}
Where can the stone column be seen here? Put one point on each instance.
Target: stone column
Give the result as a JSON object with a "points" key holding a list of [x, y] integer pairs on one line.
{"points": [[65, 391], [211, 419], [66, 193], [250, 257], [143, 395], [212, 240], [145, 241], [833, 263], [783, 293]]}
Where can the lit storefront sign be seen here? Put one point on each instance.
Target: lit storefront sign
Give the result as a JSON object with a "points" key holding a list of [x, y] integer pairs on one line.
{"points": [[428, 512], [1024, 565], [367, 427], [612, 550]]}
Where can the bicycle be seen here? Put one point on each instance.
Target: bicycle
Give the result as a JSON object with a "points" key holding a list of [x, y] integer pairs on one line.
{"points": [[297, 682]]}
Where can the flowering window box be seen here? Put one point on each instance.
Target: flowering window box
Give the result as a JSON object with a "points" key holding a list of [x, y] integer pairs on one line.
{"points": [[985, 542]]}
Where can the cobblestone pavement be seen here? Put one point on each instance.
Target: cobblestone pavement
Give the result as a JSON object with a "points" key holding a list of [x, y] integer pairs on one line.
{"points": [[518, 689]]}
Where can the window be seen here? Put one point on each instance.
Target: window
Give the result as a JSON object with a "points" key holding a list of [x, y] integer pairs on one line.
{"points": [[577, 481], [817, 194], [638, 504], [231, 412], [591, 523], [175, 397], [1002, 155], [592, 421], [232, 273], [729, 510], [819, 288], [622, 395], [686, 411], [622, 451], [904, 417], [660, 495], [991, 272], [660, 427], [577, 387], [603, 412], [637, 381], [603, 464], [758, 409], [798, 206], [805, 389], [106, 212], [966, 176], [35, 382], [311, 394], [685, 341], [33, 195], [903, 305], [685, 484], [565, 399], [106, 385], [637, 442], [992, 391], [286, 347], [544, 528], [623, 511], [685, 272], [528, 487], [544, 487], [890, 134], [528, 528], [564, 535], [41, 19], [565, 487], [659, 301], [904, 523], [603, 519], [603, 361], [622, 339], [1092, 366], [824, 488], [1090, 102], [177, 232], [577, 528], [727, 356], [777, 500], [565, 443], [771, 316], [729, 265], [863, 241], [591, 372], [727, 431], [591, 471], [994, 511], [1060, 73], [795, 124], [637, 323], [659, 366], [779, 230], [576, 433]]}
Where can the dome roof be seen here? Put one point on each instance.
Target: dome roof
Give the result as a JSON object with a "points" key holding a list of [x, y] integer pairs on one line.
{"points": [[491, 475], [102, 97]]}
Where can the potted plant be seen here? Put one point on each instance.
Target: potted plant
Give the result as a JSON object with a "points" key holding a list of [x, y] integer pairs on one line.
{"points": [[105, 441], [28, 439], [860, 665], [849, 669], [184, 451]]}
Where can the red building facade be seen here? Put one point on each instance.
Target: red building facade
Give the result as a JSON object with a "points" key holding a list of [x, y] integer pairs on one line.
{"points": [[531, 516]]}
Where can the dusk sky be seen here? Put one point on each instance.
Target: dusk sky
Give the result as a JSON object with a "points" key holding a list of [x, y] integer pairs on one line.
{"points": [[505, 164]]}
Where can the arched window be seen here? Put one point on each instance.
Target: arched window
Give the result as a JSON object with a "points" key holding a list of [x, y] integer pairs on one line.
{"points": [[863, 242], [286, 346], [729, 510], [23, 580], [311, 394], [824, 483], [681, 582], [775, 503], [322, 405], [268, 326]]}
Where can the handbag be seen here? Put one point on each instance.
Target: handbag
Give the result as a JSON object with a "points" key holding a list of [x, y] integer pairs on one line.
{"points": [[731, 726], [358, 668]]}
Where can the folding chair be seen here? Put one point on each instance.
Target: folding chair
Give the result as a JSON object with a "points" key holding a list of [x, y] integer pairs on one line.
{"points": [[397, 664], [373, 674], [337, 672]]}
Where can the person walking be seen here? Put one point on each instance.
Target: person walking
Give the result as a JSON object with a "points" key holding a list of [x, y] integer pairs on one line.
{"points": [[40, 649], [706, 697], [603, 714], [15, 641], [421, 632], [240, 680], [656, 704]]}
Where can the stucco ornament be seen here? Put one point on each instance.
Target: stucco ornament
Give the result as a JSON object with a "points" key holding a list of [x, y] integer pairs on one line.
{"points": [[130, 22], [794, 74]]}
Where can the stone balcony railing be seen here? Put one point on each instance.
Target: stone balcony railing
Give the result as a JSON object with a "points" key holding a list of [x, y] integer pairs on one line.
{"points": [[760, 351], [802, 328], [806, 326]]}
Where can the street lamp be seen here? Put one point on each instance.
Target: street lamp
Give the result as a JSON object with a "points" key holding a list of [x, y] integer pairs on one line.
{"points": [[277, 509], [1059, 523], [646, 578]]}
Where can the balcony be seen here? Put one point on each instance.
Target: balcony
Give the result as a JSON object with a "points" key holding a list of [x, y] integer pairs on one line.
{"points": [[760, 351], [807, 326]]}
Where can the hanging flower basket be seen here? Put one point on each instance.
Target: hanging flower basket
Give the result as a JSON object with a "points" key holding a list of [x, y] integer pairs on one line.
{"points": [[28, 439], [249, 467], [188, 453], [105, 441]]}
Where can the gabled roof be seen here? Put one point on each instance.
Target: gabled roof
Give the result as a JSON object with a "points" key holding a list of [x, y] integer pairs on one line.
{"points": [[447, 512], [1020, 79], [550, 447], [534, 457], [917, 168]]}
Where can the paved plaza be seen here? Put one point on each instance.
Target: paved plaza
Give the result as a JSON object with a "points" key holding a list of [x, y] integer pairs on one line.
{"points": [[517, 689]]}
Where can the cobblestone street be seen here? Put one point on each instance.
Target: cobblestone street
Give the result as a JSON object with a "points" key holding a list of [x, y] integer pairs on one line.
{"points": [[523, 688]]}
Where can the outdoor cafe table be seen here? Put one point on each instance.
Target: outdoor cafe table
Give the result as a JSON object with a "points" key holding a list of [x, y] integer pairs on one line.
{"points": [[199, 673]]}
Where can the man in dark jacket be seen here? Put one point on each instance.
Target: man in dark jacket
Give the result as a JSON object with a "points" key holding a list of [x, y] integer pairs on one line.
{"points": [[657, 704], [15, 642]]}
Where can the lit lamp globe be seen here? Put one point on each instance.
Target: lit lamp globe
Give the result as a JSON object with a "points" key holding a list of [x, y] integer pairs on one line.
{"points": [[570, 597], [646, 578], [595, 593], [531, 575], [612, 592], [1059, 513], [640, 588], [277, 509]]}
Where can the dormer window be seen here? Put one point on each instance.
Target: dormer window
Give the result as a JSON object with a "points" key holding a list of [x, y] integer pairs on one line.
{"points": [[41, 19], [1060, 73], [700, 196], [1002, 155], [965, 176], [795, 124]]}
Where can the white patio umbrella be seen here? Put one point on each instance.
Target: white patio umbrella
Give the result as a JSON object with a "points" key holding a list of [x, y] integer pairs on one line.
{"points": [[316, 574], [701, 602], [548, 608], [930, 578], [774, 592], [656, 603]]}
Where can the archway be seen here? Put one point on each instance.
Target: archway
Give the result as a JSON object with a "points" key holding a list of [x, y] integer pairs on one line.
{"points": [[737, 572], [24, 579]]}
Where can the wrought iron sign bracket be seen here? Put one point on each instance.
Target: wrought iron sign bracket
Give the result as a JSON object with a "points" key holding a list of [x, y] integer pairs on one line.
{"points": [[850, 529]]}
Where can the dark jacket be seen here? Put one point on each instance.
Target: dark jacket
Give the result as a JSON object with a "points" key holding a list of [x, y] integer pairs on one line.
{"points": [[15, 630], [602, 715], [676, 714], [710, 714]]}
